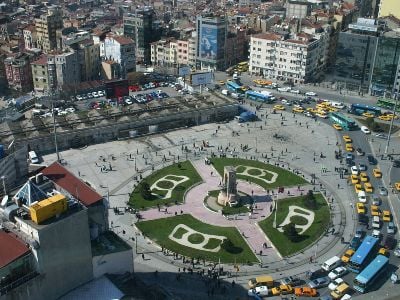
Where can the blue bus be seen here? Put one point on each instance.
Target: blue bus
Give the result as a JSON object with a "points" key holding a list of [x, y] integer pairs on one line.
{"points": [[234, 87], [258, 96], [363, 254], [346, 122], [366, 278], [359, 109]]}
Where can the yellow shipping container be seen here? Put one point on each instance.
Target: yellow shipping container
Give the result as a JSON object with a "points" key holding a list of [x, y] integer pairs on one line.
{"points": [[48, 208]]}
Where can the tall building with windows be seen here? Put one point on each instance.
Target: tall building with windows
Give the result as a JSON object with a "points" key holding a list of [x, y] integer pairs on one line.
{"points": [[355, 55], [386, 63], [211, 41], [121, 50], [18, 71], [286, 58], [46, 27], [139, 26]]}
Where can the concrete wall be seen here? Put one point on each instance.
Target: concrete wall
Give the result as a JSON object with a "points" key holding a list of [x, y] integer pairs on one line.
{"points": [[14, 167], [113, 263], [64, 258]]}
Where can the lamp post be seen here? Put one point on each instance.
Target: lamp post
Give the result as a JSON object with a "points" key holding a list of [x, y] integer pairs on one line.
{"points": [[391, 123], [4, 184], [276, 208]]}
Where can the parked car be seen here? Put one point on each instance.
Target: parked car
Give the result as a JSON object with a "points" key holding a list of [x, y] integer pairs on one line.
{"points": [[319, 282], [338, 272], [312, 94], [305, 292], [335, 283], [292, 280]]}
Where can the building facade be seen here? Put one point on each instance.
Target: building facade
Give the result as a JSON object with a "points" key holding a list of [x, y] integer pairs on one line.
{"points": [[122, 50], [211, 42], [355, 55], [18, 72], [46, 28], [278, 57], [139, 27], [386, 63], [389, 7], [298, 9]]}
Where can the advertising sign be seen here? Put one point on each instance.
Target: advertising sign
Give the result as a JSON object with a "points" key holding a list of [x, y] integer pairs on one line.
{"points": [[184, 70], [201, 78], [208, 43]]}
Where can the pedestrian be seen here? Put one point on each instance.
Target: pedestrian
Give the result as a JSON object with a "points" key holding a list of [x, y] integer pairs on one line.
{"points": [[310, 259], [79, 173], [143, 256], [181, 212]]}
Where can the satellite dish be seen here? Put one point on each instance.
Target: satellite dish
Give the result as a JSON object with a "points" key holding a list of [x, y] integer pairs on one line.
{"points": [[4, 201]]}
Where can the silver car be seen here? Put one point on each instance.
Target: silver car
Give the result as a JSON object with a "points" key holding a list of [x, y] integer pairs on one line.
{"points": [[319, 282]]}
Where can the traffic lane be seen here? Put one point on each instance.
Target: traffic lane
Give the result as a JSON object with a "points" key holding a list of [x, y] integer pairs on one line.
{"points": [[323, 93]]}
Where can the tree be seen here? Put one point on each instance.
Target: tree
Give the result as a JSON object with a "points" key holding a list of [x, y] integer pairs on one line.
{"points": [[290, 231], [310, 201], [145, 191], [229, 247]]}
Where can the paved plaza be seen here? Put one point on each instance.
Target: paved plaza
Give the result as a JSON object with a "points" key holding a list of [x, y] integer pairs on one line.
{"points": [[294, 142]]}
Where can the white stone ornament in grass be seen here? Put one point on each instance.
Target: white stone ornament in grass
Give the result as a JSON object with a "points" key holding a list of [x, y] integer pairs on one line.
{"points": [[170, 178], [295, 210], [184, 239], [263, 172]]}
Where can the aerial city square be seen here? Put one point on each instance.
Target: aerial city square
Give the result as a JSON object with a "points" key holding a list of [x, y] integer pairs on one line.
{"points": [[179, 149]]}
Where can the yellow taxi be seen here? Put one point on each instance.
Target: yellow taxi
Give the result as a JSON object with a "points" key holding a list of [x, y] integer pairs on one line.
{"points": [[368, 115], [311, 109], [337, 126], [354, 179], [347, 139], [383, 251], [360, 208], [298, 110], [332, 109], [384, 118], [375, 210], [279, 107], [283, 289], [349, 148], [397, 186], [358, 188], [377, 173], [368, 187], [391, 116], [386, 216], [347, 255], [221, 82], [364, 177]]}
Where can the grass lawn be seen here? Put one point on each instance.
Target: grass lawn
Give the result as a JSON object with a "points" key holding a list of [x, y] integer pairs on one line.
{"points": [[159, 230], [319, 226], [285, 178], [137, 201]]}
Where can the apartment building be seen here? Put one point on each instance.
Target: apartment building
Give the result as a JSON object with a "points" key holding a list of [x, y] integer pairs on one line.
{"points": [[140, 28], [18, 72], [170, 52], [46, 27], [53, 71], [284, 58], [29, 33], [120, 49]]}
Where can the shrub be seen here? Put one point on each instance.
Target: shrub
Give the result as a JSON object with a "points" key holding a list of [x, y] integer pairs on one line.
{"points": [[290, 231], [310, 201], [145, 191], [229, 247]]}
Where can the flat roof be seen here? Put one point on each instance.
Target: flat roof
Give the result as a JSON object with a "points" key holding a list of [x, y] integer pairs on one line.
{"points": [[73, 185], [11, 248]]}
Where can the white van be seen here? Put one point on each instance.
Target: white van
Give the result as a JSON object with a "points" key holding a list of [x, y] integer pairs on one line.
{"points": [[331, 264], [33, 157]]}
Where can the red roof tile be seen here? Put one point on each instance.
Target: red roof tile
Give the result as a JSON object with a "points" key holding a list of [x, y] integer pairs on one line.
{"points": [[73, 185], [11, 248]]}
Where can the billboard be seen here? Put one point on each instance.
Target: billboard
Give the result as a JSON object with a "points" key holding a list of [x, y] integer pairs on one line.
{"points": [[201, 78], [184, 70], [208, 43]]}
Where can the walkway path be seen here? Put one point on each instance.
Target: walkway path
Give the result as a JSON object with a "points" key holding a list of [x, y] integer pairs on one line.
{"points": [[247, 225]]}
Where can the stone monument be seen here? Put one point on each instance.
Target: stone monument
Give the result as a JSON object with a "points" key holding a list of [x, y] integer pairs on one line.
{"points": [[228, 195]]}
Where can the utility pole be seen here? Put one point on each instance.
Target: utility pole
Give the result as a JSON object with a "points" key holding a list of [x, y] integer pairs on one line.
{"points": [[54, 125], [391, 123]]}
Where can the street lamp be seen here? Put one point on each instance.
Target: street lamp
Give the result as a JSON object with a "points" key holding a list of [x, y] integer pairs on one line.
{"points": [[4, 184], [276, 208]]}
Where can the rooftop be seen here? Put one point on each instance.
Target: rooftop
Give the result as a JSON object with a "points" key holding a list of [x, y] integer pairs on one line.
{"points": [[73, 185], [11, 248]]}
